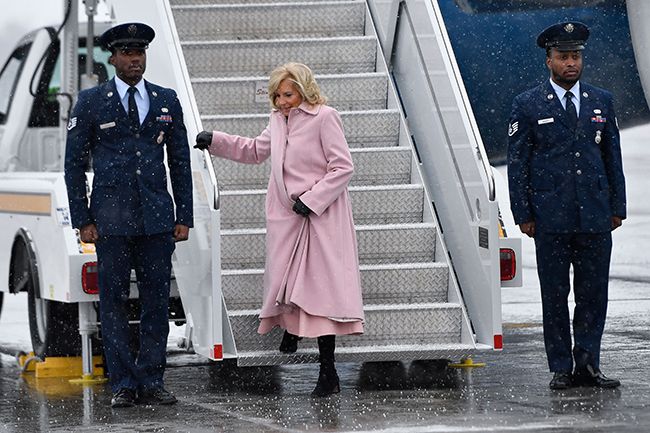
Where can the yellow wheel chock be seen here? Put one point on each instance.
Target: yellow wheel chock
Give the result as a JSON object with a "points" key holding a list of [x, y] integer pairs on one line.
{"points": [[61, 367], [467, 363]]}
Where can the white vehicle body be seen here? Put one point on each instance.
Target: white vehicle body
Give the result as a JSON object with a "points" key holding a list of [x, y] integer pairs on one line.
{"points": [[450, 169]]}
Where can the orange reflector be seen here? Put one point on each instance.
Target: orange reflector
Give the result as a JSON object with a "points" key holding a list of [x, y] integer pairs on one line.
{"points": [[498, 341], [508, 261], [89, 278], [217, 351]]}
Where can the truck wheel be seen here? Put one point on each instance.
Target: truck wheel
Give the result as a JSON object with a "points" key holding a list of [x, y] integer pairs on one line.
{"points": [[53, 326]]}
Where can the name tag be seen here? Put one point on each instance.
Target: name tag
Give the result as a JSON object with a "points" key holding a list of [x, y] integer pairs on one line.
{"points": [[107, 125], [545, 121]]}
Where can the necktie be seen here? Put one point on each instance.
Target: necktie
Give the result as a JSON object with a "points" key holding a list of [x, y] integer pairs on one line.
{"points": [[571, 109], [134, 117]]}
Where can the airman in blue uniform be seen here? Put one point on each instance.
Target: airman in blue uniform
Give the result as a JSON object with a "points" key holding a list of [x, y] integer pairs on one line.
{"points": [[567, 191], [125, 127]]}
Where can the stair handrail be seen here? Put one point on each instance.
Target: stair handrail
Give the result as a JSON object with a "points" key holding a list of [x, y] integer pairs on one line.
{"points": [[461, 182]]}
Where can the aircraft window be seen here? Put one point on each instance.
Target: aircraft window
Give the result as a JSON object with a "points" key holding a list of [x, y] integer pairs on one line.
{"points": [[9, 79]]}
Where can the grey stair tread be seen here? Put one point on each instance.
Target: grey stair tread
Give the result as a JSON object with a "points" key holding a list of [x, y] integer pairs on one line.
{"points": [[384, 204], [239, 95], [389, 352], [373, 166], [382, 284], [258, 58], [245, 21], [391, 243], [413, 324], [367, 128]]}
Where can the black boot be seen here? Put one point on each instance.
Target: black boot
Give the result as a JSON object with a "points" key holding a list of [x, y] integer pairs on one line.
{"points": [[289, 343], [328, 380]]}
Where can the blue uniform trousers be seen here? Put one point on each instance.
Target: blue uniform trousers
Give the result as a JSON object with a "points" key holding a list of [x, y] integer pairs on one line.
{"points": [[589, 254], [150, 256]]}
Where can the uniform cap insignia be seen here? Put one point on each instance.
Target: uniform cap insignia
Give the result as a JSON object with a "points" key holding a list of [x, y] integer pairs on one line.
{"points": [[569, 28], [132, 29], [513, 128]]}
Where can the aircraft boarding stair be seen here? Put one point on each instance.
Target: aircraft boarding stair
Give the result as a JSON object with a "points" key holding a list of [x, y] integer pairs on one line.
{"points": [[413, 306]]}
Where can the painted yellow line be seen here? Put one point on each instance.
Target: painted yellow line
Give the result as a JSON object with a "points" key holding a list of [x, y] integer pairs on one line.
{"points": [[26, 203]]}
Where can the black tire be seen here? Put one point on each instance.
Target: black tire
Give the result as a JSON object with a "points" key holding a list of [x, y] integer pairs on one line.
{"points": [[53, 326]]}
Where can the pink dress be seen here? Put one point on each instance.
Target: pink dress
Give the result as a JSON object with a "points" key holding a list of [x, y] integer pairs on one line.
{"points": [[311, 280]]}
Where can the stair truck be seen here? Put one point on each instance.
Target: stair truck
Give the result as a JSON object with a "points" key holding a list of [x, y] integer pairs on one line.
{"points": [[432, 249]]}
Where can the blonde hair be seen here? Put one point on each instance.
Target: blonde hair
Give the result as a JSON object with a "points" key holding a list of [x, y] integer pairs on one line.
{"points": [[303, 79]]}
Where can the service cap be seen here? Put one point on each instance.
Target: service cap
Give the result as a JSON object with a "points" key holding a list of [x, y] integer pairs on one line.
{"points": [[567, 36], [127, 35]]}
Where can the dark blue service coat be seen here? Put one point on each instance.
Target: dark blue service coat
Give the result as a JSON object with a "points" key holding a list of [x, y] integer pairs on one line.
{"points": [[129, 194], [565, 180]]}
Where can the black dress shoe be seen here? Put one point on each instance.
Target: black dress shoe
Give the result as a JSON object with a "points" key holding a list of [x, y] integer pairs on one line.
{"points": [[590, 376], [289, 343], [561, 381], [125, 397], [156, 396]]}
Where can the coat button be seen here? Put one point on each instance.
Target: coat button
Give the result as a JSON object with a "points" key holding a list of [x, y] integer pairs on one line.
{"points": [[578, 172], [137, 135], [138, 153], [577, 154], [138, 172]]}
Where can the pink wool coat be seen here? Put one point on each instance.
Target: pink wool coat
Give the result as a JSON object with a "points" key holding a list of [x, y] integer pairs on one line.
{"points": [[311, 262]]}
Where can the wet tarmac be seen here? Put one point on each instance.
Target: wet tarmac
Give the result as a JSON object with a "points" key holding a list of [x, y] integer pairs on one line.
{"points": [[509, 394]]}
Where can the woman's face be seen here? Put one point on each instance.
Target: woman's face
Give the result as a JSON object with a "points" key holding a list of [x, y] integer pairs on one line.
{"points": [[287, 97]]}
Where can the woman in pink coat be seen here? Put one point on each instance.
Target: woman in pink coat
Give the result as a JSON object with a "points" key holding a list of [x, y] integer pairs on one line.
{"points": [[311, 281]]}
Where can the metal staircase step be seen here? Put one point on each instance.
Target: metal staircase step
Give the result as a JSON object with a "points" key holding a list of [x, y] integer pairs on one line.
{"points": [[394, 243], [258, 58], [369, 128], [351, 92], [384, 352], [372, 166], [242, 21], [385, 204], [397, 324], [382, 284]]}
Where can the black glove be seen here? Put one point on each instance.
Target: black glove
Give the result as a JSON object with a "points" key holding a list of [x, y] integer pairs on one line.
{"points": [[203, 140], [301, 209]]}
